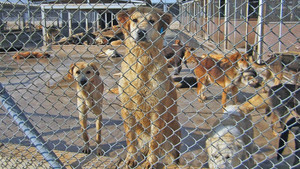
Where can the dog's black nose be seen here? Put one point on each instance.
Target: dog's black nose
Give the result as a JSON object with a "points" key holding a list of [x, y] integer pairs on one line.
{"points": [[142, 35], [83, 82]]}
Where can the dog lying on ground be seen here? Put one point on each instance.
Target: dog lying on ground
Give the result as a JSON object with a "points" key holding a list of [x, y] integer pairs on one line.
{"points": [[223, 73], [229, 145], [283, 99], [146, 89], [283, 141], [28, 54], [89, 97], [273, 68], [174, 53]]}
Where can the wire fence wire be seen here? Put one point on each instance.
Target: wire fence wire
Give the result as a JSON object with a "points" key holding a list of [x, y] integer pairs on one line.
{"points": [[72, 68]]}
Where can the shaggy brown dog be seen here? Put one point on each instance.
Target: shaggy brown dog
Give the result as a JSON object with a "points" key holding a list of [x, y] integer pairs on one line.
{"points": [[146, 89], [23, 55], [223, 73], [89, 97]]}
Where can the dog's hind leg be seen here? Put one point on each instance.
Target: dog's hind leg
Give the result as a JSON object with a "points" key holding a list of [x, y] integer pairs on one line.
{"points": [[234, 91], [200, 89]]}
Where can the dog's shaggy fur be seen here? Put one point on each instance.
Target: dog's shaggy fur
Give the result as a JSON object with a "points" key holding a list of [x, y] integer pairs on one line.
{"points": [[146, 89], [229, 145], [223, 73], [89, 97]]}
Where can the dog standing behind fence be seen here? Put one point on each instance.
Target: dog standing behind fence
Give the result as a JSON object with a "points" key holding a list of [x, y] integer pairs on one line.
{"points": [[222, 73], [146, 89], [89, 97]]}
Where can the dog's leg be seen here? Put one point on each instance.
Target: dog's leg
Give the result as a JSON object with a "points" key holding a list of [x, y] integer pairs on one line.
{"points": [[83, 124], [234, 91], [157, 125], [224, 95], [278, 78], [98, 136], [274, 119], [297, 148], [131, 140], [200, 90]]}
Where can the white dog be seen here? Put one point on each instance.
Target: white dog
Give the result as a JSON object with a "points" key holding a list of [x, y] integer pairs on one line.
{"points": [[229, 145]]}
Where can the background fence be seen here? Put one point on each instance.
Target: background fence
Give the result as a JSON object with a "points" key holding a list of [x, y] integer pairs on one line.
{"points": [[47, 98]]}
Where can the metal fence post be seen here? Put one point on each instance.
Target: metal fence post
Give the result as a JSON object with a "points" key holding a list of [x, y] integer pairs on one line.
{"points": [[28, 129]]}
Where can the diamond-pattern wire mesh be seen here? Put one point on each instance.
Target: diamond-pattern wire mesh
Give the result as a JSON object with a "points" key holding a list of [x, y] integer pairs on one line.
{"points": [[72, 31]]}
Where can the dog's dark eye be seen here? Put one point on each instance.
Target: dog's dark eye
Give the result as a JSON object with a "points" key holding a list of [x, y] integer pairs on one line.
{"points": [[88, 72], [77, 72], [152, 21], [135, 20]]}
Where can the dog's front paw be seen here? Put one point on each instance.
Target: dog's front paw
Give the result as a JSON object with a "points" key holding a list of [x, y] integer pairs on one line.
{"points": [[86, 150], [100, 152], [147, 165], [201, 99], [131, 163]]}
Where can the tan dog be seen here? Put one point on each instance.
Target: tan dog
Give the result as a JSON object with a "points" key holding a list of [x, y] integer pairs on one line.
{"points": [[146, 89], [223, 73], [89, 97], [229, 145], [23, 55]]}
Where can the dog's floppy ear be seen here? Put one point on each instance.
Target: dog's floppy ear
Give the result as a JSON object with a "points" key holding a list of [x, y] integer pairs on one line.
{"points": [[70, 73], [165, 21], [124, 20], [94, 66]]}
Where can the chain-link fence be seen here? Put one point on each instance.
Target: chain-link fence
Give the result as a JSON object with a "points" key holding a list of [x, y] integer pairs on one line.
{"points": [[175, 84]]}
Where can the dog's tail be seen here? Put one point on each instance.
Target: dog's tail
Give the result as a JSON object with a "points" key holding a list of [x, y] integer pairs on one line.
{"points": [[293, 122]]}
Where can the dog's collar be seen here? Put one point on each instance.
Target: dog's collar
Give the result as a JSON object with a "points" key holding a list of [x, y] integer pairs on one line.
{"points": [[161, 30]]}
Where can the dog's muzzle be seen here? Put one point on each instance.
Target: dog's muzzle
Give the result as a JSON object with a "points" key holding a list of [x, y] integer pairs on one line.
{"points": [[83, 82], [141, 35]]}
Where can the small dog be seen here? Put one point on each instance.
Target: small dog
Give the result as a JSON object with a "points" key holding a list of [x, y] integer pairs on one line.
{"points": [[89, 97], [174, 53], [283, 141], [223, 73], [23, 55], [146, 89], [283, 99], [230, 145]]}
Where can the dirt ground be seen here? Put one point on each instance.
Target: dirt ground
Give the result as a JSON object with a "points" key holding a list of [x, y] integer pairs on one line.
{"points": [[53, 112]]}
